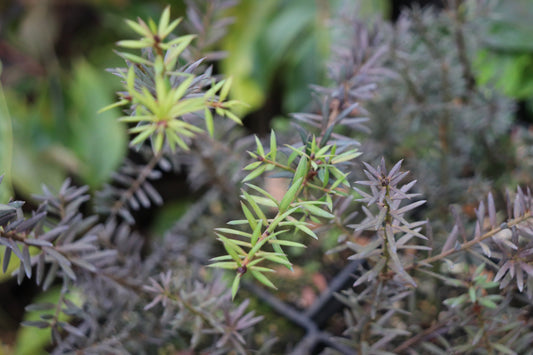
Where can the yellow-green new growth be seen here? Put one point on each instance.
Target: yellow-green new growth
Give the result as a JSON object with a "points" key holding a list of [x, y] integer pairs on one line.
{"points": [[159, 108]]}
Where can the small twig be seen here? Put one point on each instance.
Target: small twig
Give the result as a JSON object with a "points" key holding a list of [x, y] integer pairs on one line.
{"points": [[136, 184], [471, 243], [421, 336]]}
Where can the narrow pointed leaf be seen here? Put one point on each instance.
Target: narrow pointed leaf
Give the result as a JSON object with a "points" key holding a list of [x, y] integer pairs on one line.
{"points": [[231, 265], [263, 279], [273, 146], [260, 149], [290, 195], [235, 286], [249, 216], [301, 170], [257, 172], [209, 124], [288, 243], [163, 21]]}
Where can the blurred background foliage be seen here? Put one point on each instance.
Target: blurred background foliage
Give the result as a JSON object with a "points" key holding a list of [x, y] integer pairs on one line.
{"points": [[54, 53], [53, 56], [508, 54]]}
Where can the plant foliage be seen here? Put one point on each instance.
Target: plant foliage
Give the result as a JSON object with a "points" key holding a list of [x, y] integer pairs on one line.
{"points": [[429, 278]]}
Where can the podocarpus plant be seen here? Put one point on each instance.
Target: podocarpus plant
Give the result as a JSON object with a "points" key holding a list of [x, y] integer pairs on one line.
{"points": [[146, 295]]}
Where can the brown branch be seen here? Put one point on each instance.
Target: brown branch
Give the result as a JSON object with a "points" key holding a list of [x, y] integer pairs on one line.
{"points": [[471, 243]]}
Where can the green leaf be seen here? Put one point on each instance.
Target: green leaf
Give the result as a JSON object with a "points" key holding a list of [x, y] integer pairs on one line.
{"points": [[242, 243], [262, 242], [134, 59], [290, 195], [225, 89], [182, 89], [264, 193], [111, 106], [142, 30], [157, 143], [323, 150], [130, 80], [317, 211], [175, 48], [273, 146], [231, 265], [235, 286], [232, 117], [472, 294], [455, 301], [152, 25], [185, 106], [306, 230], [233, 231], [263, 279], [238, 222], [279, 259], [346, 156], [288, 243], [260, 268], [257, 233], [302, 169], [213, 89], [341, 177], [258, 211], [292, 156], [163, 21], [134, 44], [253, 165], [487, 303], [221, 258], [255, 173], [280, 218], [249, 216], [323, 175], [178, 44], [170, 28], [231, 248], [260, 149], [264, 201], [209, 124], [258, 246], [479, 270], [175, 139]]}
